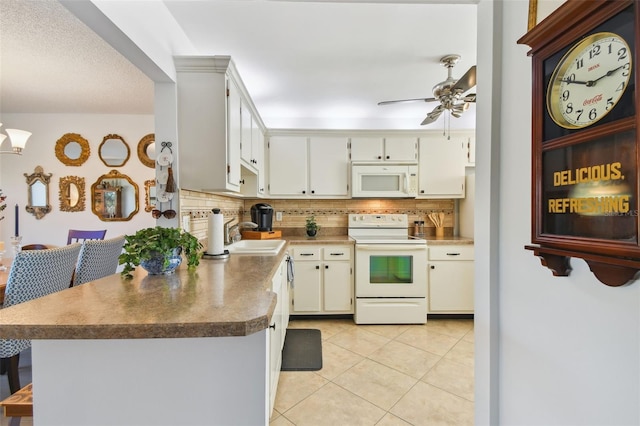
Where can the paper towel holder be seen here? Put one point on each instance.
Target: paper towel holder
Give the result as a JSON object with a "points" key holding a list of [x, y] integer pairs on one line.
{"points": [[222, 256]]}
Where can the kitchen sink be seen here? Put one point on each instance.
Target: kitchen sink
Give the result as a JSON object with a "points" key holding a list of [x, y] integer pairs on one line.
{"points": [[265, 247]]}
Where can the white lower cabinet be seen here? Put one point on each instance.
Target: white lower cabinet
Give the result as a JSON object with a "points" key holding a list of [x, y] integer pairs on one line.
{"points": [[323, 282], [278, 329], [450, 269]]}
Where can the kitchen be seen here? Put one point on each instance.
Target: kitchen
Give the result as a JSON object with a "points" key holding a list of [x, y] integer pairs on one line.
{"points": [[522, 272]]}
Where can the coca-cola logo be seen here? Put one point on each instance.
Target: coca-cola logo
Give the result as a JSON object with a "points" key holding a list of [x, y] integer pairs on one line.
{"points": [[594, 100]]}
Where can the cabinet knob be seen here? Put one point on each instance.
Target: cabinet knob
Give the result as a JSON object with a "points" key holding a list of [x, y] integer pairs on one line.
{"points": [[379, 157], [388, 157], [273, 326], [326, 266], [422, 191], [304, 192], [317, 266], [313, 192], [433, 267]]}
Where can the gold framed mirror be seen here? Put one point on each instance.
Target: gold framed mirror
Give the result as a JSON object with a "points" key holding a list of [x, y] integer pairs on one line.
{"points": [[150, 200], [72, 149], [38, 183], [72, 194], [114, 151], [147, 150], [114, 197]]}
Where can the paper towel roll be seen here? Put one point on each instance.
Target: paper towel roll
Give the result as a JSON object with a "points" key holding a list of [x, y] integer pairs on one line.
{"points": [[216, 233]]}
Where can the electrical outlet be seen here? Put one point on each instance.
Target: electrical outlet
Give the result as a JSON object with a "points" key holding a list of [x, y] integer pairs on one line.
{"points": [[186, 223], [279, 216]]}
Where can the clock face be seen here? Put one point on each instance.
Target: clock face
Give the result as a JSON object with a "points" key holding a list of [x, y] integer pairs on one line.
{"points": [[589, 80]]}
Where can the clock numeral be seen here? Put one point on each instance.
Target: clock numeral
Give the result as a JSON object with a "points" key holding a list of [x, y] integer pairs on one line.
{"points": [[626, 67], [595, 51], [569, 108], [593, 114], [579, 64], [620, 88], [609, 104], [579, 114], [622, 53], [565, 95]]}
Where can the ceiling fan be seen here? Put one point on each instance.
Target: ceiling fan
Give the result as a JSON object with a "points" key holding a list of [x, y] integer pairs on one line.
{"points": [[449, 92]]}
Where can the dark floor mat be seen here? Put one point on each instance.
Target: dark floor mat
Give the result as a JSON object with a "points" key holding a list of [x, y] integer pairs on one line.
{"points": [[302, 350]]}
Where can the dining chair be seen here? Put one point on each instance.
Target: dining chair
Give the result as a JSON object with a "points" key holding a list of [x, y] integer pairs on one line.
{"points": [[78, 235], [34, 247], [97, 259], [34, 273]]}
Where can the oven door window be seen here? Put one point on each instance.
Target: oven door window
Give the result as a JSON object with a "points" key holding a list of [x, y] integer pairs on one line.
{"points": [[391, 269]]}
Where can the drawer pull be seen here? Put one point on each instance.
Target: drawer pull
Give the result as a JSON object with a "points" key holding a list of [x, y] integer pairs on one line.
{"points": [[453, 254], [336, 254], [306, 254]]}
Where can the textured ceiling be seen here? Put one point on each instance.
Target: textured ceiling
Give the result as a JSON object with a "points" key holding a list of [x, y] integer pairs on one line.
{"points": [[306, 64], [50, 62]]}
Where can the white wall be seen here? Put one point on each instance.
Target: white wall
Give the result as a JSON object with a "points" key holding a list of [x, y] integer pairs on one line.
{"points": [[568, 347], [40, 151]]}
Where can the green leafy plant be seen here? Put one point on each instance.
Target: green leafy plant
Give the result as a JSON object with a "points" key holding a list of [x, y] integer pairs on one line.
{"points": [[149, 242], [311, 224]]}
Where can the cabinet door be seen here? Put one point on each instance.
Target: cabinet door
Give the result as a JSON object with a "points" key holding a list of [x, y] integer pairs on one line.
{"points": [[451, 286], [367, 149], [400, 149], [337, 287], [246, 134], [328, 166], [441, 168], [288, 165], [234, 126], [307, 287], [257, 152]]}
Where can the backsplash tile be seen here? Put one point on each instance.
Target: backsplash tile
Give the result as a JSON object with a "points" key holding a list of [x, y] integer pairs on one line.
{"points": [[331, 215]]}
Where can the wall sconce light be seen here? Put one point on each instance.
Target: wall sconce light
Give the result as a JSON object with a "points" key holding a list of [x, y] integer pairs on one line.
{"points": [[18, 140]]}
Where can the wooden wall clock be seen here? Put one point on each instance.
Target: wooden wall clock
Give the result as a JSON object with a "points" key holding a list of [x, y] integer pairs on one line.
{"points": [[585, 145]]}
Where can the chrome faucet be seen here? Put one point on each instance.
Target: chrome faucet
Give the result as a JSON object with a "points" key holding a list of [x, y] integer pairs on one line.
{"points": [[228, 229]]}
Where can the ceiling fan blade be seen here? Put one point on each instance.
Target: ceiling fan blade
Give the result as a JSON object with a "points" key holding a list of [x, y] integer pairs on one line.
{"points": [[471, 97], [407, 100], [433, 115], [466, 82]]}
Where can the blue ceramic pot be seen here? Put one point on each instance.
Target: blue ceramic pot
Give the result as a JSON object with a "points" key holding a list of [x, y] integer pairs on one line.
{"points": [[155, 265]]}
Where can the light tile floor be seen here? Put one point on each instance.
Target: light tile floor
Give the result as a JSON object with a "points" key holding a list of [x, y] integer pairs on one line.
{"points": [[383, 375]]}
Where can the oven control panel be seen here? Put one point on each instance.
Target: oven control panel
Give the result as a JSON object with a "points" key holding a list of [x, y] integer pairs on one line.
{"points": [[386, 220]]}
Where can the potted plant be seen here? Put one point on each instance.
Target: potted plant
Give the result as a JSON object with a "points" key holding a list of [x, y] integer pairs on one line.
{"points": [[312, 226], [158, 250]]}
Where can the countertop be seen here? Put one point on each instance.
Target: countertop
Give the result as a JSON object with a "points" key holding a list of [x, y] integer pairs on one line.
{"points": [[434, 241], [321, 239], [230, 297]]}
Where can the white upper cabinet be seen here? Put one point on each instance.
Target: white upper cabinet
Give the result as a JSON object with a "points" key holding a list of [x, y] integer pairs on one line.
{"points": [[257, 150], [441, 167], [328, 166], [397, 148], [209, 124], [317, 166], [246, 135], [287, 165]]}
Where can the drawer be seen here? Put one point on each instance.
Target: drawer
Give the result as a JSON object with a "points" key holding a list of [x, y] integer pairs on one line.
{"points": [[306, 253], [342, 252], [451, 252]]}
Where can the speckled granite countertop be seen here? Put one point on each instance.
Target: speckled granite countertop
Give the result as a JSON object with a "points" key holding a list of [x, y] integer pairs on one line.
{"points": [[324, 239], [220, 298]]}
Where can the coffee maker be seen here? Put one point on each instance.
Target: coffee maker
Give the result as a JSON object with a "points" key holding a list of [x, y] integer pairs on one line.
{"points": [[262, 214]]}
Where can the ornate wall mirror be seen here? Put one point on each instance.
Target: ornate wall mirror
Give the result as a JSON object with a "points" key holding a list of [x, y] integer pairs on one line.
{"points": [[114, 151], [38, 183], [114, 197], [147, 150], [149, 195], [72, 194], [72, 149]]}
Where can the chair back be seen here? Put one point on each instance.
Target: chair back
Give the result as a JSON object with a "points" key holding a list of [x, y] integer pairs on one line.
{"points": [[34, 247], [78, 236], [97, 259], [36, 273]]}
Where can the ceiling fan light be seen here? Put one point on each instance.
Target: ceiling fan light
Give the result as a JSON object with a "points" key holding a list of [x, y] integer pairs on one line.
{"points": [[18, 138]]}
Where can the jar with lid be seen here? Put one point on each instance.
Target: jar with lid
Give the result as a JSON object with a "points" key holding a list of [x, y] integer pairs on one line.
{"points": [[418, 228]]}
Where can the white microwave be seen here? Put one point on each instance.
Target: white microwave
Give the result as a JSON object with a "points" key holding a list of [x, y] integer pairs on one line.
{"points": [[383, 180]]}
